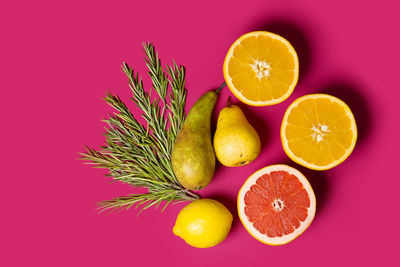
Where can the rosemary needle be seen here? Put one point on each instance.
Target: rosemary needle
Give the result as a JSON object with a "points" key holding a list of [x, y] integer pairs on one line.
{"points": [[138, 154]]}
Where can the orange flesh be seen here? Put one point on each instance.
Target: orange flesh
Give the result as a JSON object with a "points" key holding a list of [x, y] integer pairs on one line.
{"points": [[311, 113], [273, 189], [262, 48]]}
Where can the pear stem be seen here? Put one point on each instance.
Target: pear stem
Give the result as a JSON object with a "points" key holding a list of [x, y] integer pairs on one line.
{"points": [[228, 101], [221, 87]]}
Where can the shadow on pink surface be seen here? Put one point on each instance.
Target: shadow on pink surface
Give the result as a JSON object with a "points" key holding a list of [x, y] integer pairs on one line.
{"points": [[358, 104], [344, 89], [295, 35], [230, 203], [259, 122], [317, 179], [319, 183]]}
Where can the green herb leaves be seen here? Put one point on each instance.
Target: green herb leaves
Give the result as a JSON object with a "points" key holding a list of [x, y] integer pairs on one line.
{"points": [[141, 155]]}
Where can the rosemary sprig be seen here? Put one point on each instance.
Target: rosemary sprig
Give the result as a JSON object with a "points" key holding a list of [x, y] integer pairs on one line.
{"points": [[139, 155]]}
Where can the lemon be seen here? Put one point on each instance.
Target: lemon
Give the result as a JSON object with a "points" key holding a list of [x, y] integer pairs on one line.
{"points": [[203, 223]]}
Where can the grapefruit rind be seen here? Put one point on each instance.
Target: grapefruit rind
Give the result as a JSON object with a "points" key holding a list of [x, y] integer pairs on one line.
{"points": [[236, 92], [275, 241], [301, 161]]}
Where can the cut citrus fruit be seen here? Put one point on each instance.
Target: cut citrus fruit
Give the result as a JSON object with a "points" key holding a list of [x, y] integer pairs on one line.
{"points": [[318, 131], [261, 68], [276, 204]]}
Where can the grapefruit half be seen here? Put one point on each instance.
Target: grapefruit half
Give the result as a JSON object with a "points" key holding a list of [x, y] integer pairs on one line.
{"points": [[276, 204]]}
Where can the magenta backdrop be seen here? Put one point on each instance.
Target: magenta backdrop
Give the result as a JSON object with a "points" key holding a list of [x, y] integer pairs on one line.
{"points": [[59, 58]]}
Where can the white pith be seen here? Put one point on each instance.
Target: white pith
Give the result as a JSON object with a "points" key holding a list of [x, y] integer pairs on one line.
{"points": [[278, 204], [301, 161], [319, 131], [249, 225], [261, 68]]}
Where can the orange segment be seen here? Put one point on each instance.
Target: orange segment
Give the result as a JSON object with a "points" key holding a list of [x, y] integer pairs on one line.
{"points": [[261, 68], [318, 131], [276, 204]]}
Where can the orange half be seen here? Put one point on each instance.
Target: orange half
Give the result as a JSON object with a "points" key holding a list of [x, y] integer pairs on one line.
{"points": [[261, 68], [318, 131]]}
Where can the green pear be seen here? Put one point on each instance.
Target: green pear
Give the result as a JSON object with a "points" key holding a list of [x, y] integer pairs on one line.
{"points": [[193, 158], [236, 142]]}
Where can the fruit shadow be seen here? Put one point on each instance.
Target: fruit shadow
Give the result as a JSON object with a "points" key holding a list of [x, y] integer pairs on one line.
{"points": [[257, 121], [230, 203], [352, 96], [214, 119], [317, 179], [319, 183], [297, 37]]}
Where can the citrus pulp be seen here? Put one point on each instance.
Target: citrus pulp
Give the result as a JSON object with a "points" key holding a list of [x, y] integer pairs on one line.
{"points": [[276, 204], [261, 68]]}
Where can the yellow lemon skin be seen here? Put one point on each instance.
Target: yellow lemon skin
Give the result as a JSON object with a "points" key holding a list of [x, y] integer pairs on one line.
{"points": [[236, 142], [203, 223]]}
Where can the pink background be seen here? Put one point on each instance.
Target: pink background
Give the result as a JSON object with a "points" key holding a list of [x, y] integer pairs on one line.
{"points": [[57, 59]]}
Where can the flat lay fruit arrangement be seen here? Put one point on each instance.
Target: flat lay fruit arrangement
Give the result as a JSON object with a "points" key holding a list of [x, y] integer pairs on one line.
{"points": [[174, 154]]}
